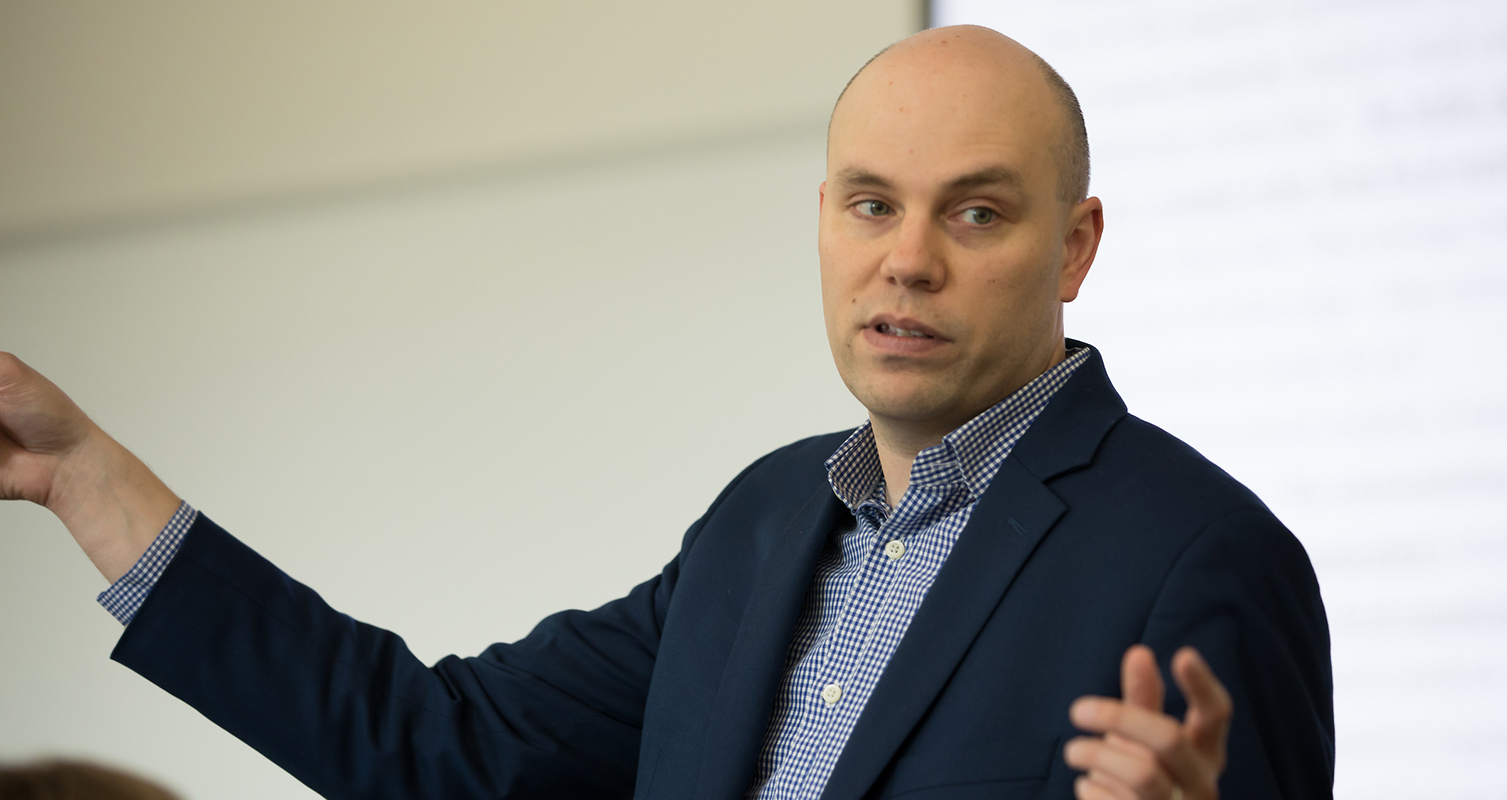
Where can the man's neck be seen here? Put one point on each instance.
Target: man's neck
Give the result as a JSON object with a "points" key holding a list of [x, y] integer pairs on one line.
{"points": [[900, 441], [898, 445]]}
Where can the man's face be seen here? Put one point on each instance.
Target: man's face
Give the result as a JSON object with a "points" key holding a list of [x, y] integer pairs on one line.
{"points": [[946, 254]]}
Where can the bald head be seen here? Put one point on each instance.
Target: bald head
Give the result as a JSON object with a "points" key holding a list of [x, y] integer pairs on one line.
{"points": [[976, 56], [953, 228]]}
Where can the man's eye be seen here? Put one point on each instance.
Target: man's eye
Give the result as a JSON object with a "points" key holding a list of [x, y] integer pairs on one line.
{"points": [[873, 208], [979, 216]]}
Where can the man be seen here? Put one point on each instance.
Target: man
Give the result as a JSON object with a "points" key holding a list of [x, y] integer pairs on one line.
{"points": [[910, 608]]}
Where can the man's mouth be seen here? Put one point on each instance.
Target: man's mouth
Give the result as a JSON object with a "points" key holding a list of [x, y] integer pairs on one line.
{"points": [[890, 330]]}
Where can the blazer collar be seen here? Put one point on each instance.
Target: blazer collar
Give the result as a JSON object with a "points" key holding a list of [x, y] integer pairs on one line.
{"points": [[1068, 432], [1013, 516]]}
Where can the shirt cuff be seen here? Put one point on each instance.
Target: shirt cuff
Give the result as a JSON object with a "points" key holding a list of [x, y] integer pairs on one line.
{"points": [[124, 597]]}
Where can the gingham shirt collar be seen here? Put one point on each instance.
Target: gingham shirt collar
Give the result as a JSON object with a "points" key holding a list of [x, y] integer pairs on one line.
{"points": [[970, 455]]}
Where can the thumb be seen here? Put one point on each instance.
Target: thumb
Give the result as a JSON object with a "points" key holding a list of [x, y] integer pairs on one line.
{"points": [[1140, 682]]}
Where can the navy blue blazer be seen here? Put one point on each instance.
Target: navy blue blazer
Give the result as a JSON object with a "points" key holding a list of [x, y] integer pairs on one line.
{"points": [[1099, 531]]}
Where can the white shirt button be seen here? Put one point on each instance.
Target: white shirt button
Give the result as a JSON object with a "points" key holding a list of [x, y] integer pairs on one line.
{"points": [[895, 549], [832, 693]]}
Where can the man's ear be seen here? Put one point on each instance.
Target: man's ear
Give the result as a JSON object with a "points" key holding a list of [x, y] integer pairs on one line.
{"points": [[1085, 226], [821, 195]]}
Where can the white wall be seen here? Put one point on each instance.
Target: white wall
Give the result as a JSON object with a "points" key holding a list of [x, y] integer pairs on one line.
{"points": [[452, 410], [1303, 276]]}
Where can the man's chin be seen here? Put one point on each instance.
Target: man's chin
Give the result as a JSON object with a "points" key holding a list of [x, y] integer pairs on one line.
{"points": [[913, 407]]}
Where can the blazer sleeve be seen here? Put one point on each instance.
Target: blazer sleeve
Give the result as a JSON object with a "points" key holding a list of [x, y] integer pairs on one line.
{"points": [[1244, 593], [346, 708]]}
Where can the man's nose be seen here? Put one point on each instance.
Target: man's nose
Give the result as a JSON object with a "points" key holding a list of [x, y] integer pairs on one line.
{"points": [[915, 261]]}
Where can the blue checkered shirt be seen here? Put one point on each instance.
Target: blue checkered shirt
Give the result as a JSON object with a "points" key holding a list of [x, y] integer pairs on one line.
{"points": [[868, 585], [125, 596], [872, 578]]}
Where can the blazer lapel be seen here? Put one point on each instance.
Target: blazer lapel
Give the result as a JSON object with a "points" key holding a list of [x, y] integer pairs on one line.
{"points": [[745, 698], [1010, 520]]}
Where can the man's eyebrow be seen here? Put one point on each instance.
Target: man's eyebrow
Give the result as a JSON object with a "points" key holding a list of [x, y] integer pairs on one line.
{"points": [[857, 178], [988, 177], [862, 179]]}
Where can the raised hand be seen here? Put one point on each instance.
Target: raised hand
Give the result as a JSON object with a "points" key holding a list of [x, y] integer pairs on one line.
{"points": [[39, 428], [1143, 753], [52, 454]]}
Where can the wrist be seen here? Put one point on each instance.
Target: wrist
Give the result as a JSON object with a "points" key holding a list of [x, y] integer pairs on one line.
{"points": [[110, 502]]}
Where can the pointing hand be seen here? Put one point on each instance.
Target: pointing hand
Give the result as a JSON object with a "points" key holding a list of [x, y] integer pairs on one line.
{"points": [[1143, 753]]}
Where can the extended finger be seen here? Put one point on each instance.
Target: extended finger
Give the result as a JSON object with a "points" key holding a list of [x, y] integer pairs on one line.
{"points": [[1140, 680], [1209, 705], [1119, 764], [1188, 767]]}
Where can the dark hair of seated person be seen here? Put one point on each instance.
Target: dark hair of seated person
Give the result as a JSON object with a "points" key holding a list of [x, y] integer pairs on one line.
{"points": [[75, 780]]}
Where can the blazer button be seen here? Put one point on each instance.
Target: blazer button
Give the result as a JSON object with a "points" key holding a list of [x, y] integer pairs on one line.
{"points": [[895, 549], [832, 693]]}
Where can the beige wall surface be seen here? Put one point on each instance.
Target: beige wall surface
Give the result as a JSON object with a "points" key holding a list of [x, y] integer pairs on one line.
{"points": [[113, 111], [451, 410], [385, 288]]}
